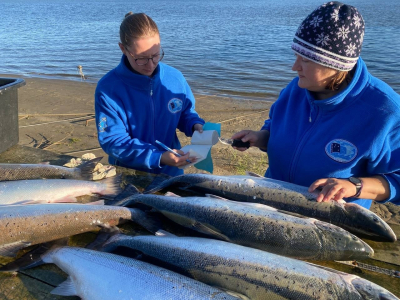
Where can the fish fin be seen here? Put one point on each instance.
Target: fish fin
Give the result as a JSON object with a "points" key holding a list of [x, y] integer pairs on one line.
{"points": [[232, 293], [151, 224], [123, 199], [66, 199], [171, 194], [33, 258], [98, 202], [129, 190], [87, 168], [44, 163], [113, 185], [292, 214], [103, 237], [66, 288], [210, 231], [248, 173], [26, 202], [163, 233], [159, 182], [215, 196], [11, 250]]}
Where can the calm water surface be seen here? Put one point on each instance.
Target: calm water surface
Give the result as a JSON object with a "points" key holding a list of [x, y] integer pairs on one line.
{"points": [[230, 47]]}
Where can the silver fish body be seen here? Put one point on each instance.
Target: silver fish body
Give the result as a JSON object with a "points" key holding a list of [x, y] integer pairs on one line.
{"points": [[44, 171], [54, 190], [25, 225], [259, 226], [255, 273], [96, 275], [285, 196]]}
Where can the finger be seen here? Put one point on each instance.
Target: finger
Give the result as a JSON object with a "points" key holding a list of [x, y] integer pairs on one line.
{"points": [[339, 195], [333, 190], [316, 184], [181, 152], [240, 149], [239, 135]]}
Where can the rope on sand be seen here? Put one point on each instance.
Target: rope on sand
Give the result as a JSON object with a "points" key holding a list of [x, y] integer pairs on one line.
{"points": [[243, 116], [372, 268], [73, 119], [93, 149]]}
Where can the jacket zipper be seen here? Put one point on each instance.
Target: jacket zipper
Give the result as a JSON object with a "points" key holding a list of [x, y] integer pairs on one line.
{"points": [[152, 105], [301, 144]]}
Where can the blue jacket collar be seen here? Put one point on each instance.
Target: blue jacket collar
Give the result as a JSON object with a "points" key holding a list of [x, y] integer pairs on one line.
{"points": [[348, 95], [134, 79]]}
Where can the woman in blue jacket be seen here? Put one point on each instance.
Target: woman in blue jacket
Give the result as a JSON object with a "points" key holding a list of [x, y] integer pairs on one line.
{"points": [[335, 127], [143, 100]]}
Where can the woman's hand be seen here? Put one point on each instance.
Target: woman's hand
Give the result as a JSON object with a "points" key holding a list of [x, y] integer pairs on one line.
{"points": [[170, 159], [256, 138], [198, 127], [333, 189], [374, 188]]}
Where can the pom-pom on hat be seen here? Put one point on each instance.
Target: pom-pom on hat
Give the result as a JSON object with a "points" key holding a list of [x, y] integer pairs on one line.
{"points": [[331, 35]]}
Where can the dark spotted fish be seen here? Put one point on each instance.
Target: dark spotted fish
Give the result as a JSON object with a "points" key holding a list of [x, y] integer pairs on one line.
{"points": [[44, 171], [284, 196]]}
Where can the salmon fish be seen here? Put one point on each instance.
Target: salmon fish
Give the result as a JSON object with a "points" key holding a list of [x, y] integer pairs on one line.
{"points": [[255, 273], [284, 196], [25, 225], [55, 190], [258, 226], [95, 275], [44, 171]]}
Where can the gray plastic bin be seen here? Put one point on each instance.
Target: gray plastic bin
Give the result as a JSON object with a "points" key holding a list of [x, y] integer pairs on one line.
{"points": [[9, 112]]}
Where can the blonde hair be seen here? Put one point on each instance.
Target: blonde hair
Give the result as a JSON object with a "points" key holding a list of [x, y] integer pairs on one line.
{"points": [[338, 79], [136, 26]]}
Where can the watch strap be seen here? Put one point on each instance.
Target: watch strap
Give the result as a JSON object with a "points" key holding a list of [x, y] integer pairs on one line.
{"points": [[359, 185]]}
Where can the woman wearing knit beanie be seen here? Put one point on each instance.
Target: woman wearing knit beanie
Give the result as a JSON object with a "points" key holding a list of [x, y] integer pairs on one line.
{"points": [[335, 127]]}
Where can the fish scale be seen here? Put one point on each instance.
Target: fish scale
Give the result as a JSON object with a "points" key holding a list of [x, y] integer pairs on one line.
{"points": [[257, 226], [255, 273], [283, 196], [95, 275], [39, 171], [25, 225]]}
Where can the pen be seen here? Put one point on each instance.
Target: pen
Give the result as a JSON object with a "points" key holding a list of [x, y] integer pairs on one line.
{"points": [[170, 150]]}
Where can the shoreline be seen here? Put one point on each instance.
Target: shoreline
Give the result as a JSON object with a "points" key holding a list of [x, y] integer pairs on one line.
{"points": [[58, 115], [77, 78]]}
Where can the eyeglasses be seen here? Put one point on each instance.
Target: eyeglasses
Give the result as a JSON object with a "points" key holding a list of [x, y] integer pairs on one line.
{"points": [[144, 61]]}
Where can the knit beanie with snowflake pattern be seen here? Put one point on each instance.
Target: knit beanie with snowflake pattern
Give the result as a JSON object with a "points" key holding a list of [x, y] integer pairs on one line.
{"points": [[331, 35]]}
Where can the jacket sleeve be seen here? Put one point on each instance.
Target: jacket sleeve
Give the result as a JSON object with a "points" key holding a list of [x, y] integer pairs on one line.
{"points": [[189, 116], [387, 164], [115, 140]]}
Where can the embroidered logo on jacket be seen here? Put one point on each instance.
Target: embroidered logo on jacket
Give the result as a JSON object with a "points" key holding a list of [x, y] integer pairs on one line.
{"points": [[175, 105], [103, 124], [341, 150]]}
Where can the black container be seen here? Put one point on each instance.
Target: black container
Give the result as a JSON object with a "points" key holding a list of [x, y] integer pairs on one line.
{"points": [[9, 112]]}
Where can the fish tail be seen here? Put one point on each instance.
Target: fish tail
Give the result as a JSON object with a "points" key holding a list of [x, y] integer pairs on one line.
{"points": [[105, 236], [159, 182], [123, 199], [113, 186], [87, 169], [33, 258]]}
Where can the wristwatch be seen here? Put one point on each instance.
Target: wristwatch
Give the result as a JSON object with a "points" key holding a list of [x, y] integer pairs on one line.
{"points": [[359, 185]]}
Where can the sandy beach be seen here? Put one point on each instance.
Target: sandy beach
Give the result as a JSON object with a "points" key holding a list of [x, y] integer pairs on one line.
{"points": [[57, 115]]}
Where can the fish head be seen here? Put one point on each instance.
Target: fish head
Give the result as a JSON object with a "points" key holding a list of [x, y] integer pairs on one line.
{"points": [[369, 290], [367, 222], [349, 246]]}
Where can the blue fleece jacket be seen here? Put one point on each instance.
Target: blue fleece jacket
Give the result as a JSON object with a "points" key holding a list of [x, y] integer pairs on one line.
{"points": [[354, 133], [133, 110]]}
